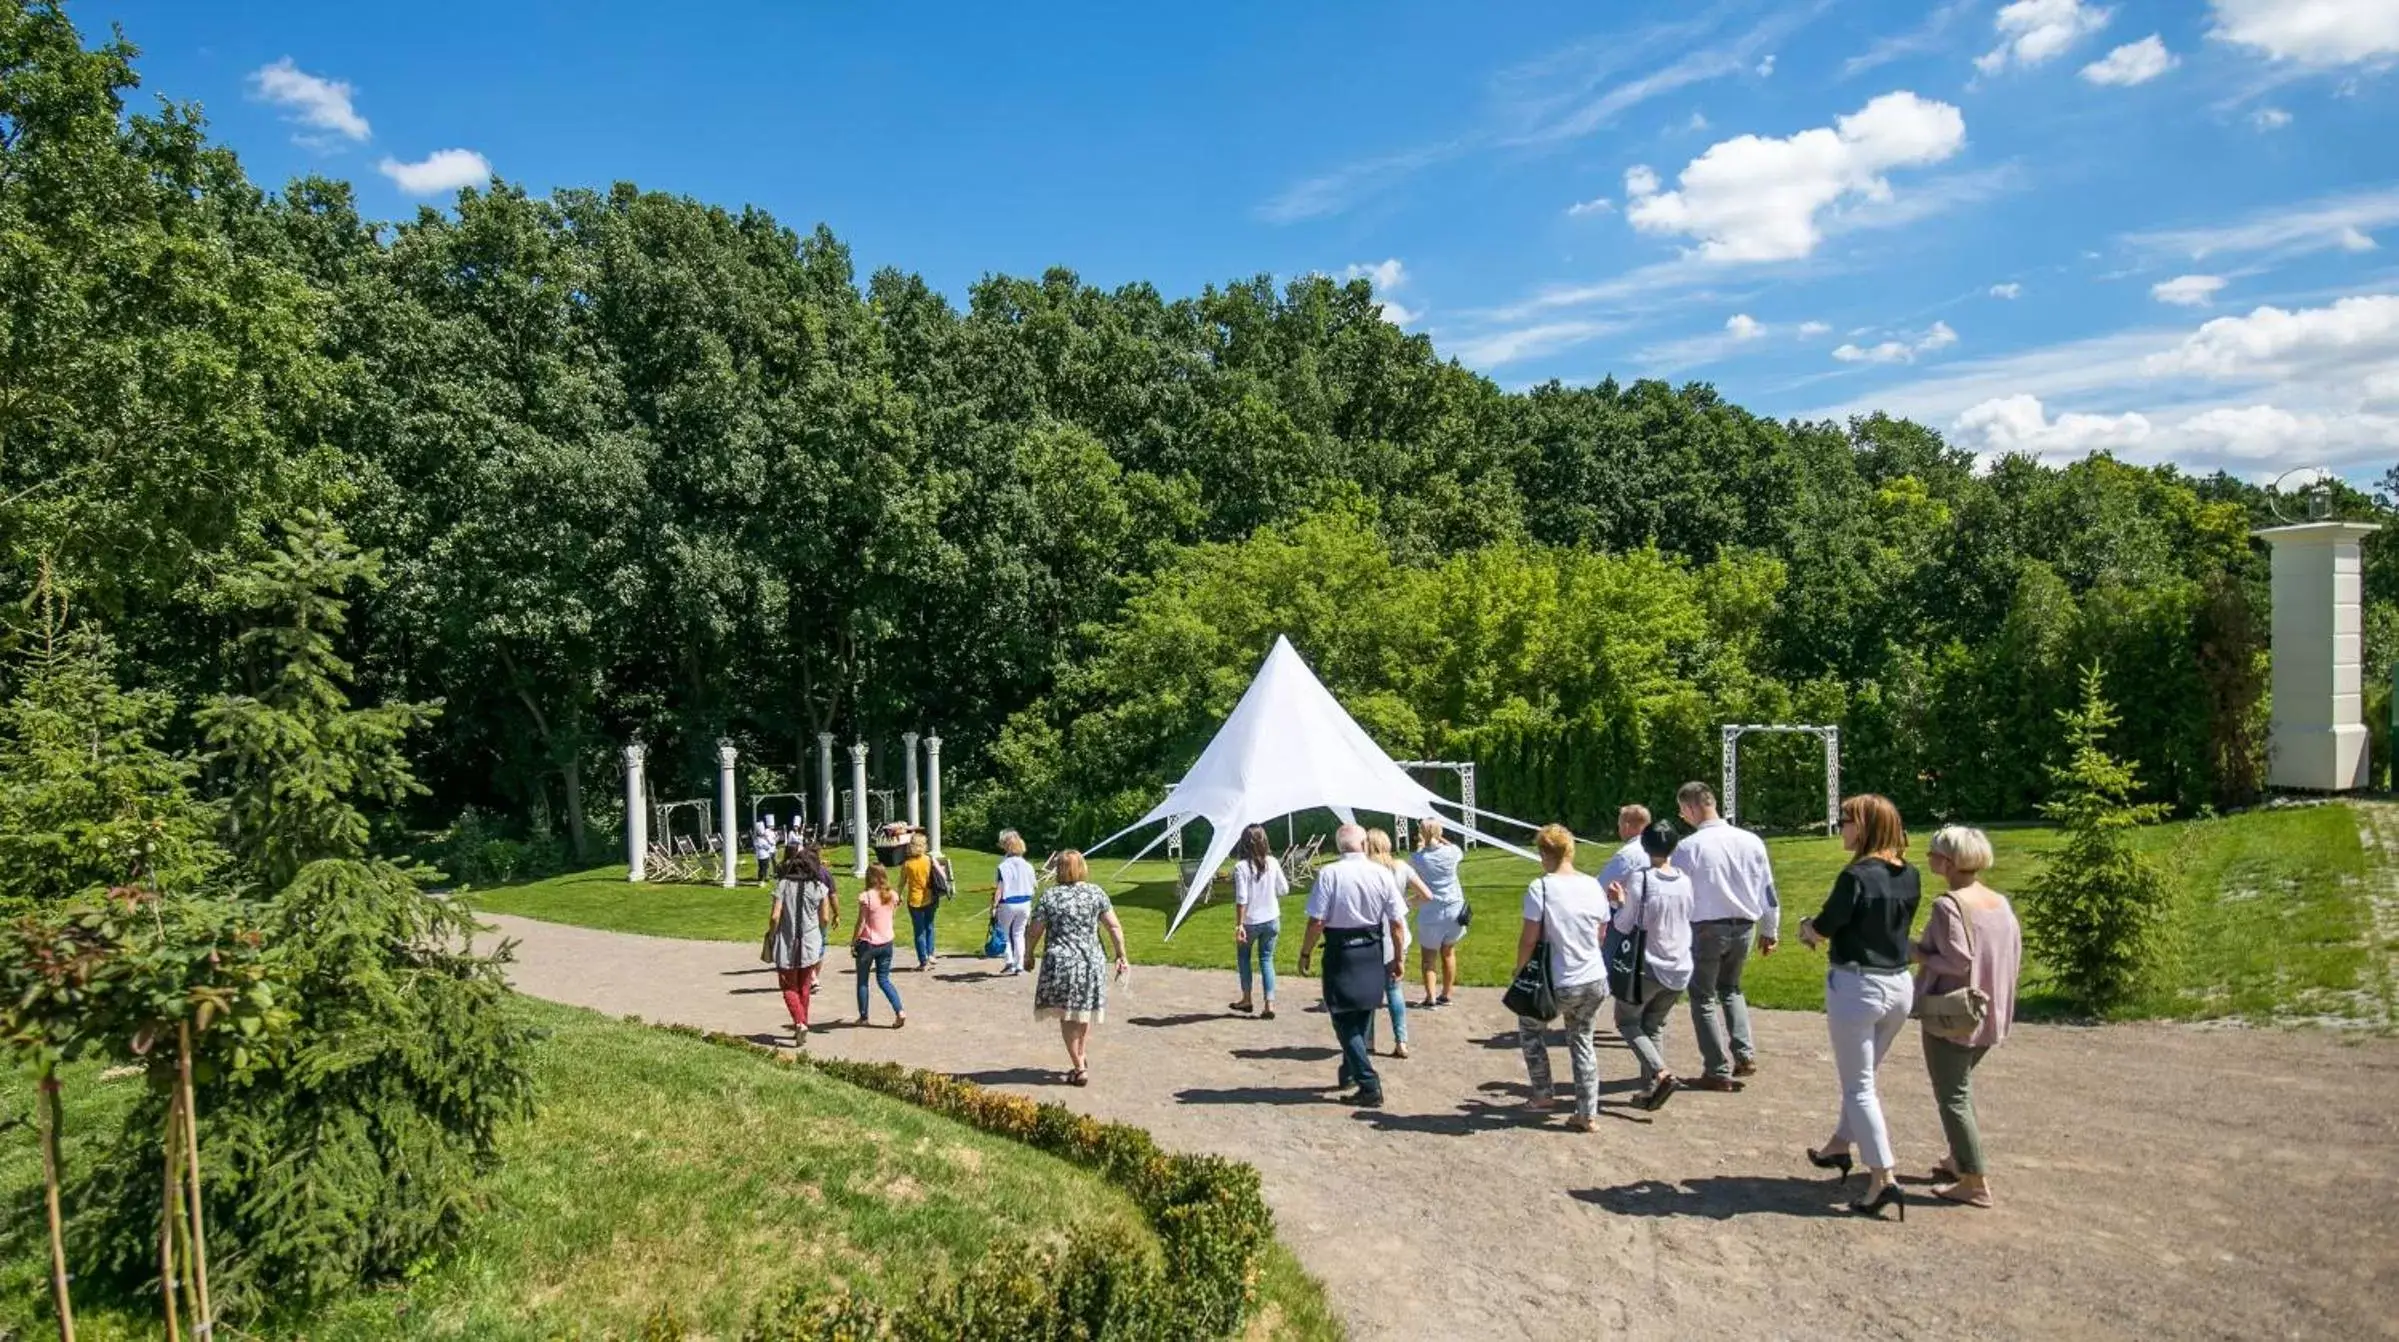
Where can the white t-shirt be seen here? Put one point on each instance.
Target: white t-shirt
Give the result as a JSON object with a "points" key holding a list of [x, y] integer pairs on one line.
{"points": [[1257, 896], [1016, 879], [1573, 911]]}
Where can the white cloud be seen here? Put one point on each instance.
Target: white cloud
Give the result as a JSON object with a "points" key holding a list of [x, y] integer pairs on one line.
{"points": [[2008, 290], [2310, 32], [2133, 63], [1753, 198], [1698, 122], [2034, 31], [1596, 205], [1742, 326], [1765, 68], [2257, 440], [1494, 348], [443, 170], [1387, 276], [1937, 337], [1926, 37], [2288, 230], [310, 100], [2187, 291], [2018, 423], [1810, 330], [1333, 192], [2269, 118], [2312, 342]]}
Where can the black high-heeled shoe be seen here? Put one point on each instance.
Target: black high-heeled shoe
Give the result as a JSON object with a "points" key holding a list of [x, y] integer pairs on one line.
{"points": [[1888, 1197], [1841, 1161]]}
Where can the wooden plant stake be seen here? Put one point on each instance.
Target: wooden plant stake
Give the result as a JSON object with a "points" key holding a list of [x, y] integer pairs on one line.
{"points": [[58, 1244], [169, 1214], [205, 1328]]}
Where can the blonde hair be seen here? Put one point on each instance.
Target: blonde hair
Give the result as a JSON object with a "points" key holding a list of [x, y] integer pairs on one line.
{"points": [[1378, 847], [877, 878], [1636, 813], [1071, 866], [1966, 849], [1429, 831], [1878, 825], [916, 846], [1556, 843], [1012, 843]]}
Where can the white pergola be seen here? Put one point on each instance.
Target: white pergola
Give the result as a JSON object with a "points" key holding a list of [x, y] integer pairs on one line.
{"points": [[1830, 736], [1464, 769]]}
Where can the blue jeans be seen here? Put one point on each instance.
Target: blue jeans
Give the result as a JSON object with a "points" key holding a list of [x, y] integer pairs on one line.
{"points": [[876, 960], [1355, 1031], [921, 921], [1261, 940], [1395, 1000]]}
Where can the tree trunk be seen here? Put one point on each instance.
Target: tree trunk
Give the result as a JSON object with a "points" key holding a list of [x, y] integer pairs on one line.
{"points": [[571, 771], [58, 1242], [169, 1212]]}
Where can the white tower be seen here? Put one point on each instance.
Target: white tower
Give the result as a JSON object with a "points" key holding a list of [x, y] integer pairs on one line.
{"points": [[2318, 736]]}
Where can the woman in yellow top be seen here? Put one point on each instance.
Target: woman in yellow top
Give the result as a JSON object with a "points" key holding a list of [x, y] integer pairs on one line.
{"points": [[916, 882]]}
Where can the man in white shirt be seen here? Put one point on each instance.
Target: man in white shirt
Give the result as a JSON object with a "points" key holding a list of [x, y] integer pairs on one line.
{"points": [[1732, 895], [1629, 859], [1356, 909]]}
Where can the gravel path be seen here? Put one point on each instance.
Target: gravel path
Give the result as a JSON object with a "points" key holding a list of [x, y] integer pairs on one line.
{"points": [[2154, 1180]]}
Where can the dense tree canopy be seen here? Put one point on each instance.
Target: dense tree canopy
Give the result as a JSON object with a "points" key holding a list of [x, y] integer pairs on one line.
{"points": [[644, 466]]}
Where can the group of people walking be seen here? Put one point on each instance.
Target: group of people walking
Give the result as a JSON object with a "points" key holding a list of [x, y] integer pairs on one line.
{"points": [[1672, 916]]}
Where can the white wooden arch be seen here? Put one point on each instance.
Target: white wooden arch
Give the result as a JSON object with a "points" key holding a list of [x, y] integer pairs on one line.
{"points": [[1830, 736], [1464, 769]]}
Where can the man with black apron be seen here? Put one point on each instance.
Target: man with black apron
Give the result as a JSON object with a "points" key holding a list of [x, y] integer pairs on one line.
{"points": [[1355, 909]]}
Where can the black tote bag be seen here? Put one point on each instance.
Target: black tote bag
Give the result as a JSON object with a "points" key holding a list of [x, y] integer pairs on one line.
{"points": [[1624, 951], [1530, 994]]}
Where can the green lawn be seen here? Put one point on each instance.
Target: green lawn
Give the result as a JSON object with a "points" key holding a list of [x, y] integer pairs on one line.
{"points": [[659, 1170], [2270, 919]]}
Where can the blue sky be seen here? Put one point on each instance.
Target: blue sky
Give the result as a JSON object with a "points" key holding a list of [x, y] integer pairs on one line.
{"points": [[2170, 230]]}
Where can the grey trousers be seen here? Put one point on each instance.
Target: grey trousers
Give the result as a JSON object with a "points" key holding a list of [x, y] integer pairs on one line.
{"points": [[1952, 1069], [1644, 1025], [1719, 1013]]}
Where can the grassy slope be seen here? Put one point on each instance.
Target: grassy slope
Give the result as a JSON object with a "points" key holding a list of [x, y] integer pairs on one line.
{"points": [[661, 1169], [2270, 916]]}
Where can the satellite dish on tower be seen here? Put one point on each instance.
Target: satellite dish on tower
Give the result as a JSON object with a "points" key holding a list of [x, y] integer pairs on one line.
{"points": [[2315, 497]]}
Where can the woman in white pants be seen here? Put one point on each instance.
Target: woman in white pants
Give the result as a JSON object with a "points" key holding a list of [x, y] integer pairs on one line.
{"points": [[1864, 925], [1012, 897]]}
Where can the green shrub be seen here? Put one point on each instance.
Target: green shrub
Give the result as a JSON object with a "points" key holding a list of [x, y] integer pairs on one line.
{"points": [[1212, 1223], [2096, 914]]}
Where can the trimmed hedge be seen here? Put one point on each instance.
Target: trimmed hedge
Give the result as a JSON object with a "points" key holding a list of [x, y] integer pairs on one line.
{"points": [[1212, 1223]]}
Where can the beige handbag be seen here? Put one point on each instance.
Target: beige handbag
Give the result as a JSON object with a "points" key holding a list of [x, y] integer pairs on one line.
{"points": [[1955, 1015]]}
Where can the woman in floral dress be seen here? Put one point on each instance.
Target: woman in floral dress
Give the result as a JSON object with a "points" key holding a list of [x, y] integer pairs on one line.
{"points": [[1073, 989]]}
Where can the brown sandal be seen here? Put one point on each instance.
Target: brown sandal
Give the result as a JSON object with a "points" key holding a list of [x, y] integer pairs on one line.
{"points": [[1078, 1076]]}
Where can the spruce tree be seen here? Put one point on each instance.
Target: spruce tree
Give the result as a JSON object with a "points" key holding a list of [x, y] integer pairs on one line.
{"points": [[2097, 913], [355, 1148]]}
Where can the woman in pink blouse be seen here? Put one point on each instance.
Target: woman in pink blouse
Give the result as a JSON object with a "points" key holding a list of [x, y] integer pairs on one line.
{"points": [[1971, 941]]}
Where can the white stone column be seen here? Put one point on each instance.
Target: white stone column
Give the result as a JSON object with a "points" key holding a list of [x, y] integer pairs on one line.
{"points": [[725, 822], [637, 818], [915, 813], [933, 793], [2318, 738], [858, 834], [826, 834]]}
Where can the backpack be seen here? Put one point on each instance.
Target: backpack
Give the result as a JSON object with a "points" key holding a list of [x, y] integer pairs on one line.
{"points": [[937, 880]]}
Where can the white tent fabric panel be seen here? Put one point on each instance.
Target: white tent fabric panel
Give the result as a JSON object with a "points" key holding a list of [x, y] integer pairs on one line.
{"points": [[1289, 746]]}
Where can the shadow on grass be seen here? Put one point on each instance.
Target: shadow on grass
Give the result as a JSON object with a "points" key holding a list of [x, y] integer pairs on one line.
{"points": [[1720, 1198], [1016, 1076], [1289, 1053], [1274, 1095]]}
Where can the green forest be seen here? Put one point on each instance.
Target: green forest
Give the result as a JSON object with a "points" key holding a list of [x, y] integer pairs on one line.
{"points": [[641, 466]]}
